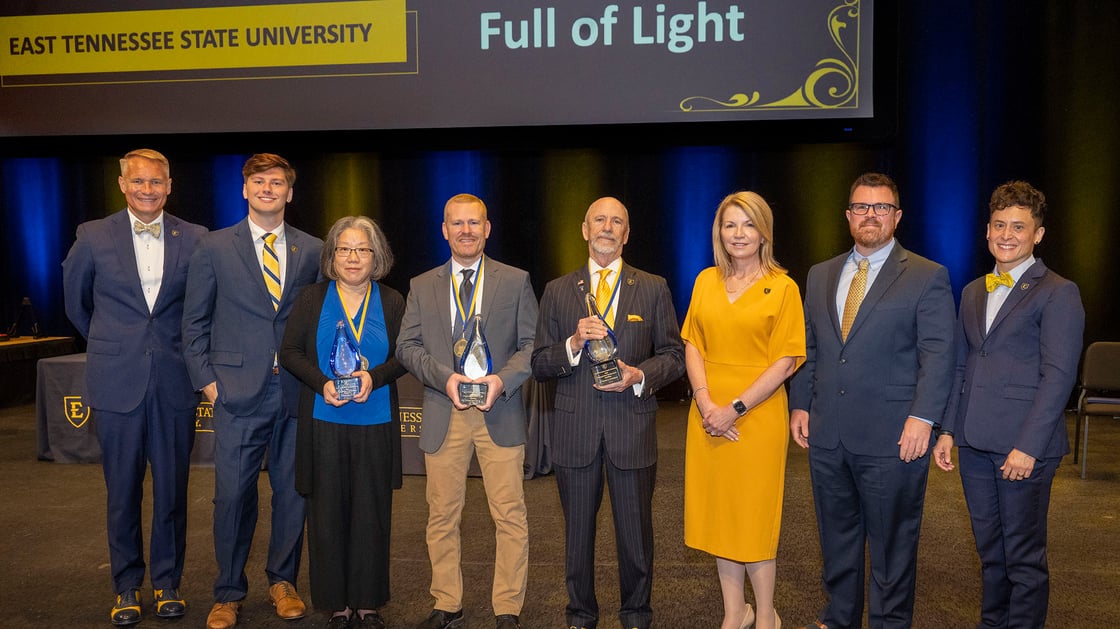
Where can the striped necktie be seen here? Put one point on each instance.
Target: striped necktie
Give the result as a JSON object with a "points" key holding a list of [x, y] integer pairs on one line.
{"points": [[271, 269]]}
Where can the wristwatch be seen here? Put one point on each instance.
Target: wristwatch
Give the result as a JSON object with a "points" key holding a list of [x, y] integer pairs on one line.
{"points": [[739, 407]]}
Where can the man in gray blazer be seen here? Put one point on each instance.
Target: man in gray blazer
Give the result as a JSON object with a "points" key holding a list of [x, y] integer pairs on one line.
{"points": [[241, 286], [879, 342], [607, 431], [441, 303], [1019, 337]]}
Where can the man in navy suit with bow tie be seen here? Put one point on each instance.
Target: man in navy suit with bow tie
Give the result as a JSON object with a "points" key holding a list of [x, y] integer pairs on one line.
{"points": [[1019, 337], [123, 284]]}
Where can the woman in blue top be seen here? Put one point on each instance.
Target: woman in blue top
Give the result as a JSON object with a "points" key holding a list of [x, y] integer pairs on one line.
{"points": [[348, 457]]}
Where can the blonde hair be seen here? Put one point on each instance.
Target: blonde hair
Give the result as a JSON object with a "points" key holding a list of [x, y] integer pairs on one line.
{"points": [[155, 156], [759, 212]]}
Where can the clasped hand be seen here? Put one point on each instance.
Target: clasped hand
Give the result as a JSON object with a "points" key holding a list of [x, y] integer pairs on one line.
{"points": [[330, 393]]}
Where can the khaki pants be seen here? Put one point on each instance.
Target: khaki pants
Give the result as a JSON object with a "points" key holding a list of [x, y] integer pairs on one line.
{"points": [[502, 474]]}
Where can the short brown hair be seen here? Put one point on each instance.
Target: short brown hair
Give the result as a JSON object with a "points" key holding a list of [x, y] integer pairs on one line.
{"points": [[267, 161], [1022, 194], [875, 180], [466, 199]]}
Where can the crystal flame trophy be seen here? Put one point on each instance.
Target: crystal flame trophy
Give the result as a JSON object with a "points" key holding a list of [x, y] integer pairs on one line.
{"points": [[345, 361], [475, 363], [602, 352]]}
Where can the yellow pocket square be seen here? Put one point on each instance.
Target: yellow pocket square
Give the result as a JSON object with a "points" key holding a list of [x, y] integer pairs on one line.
{"points": [[634, 317]]}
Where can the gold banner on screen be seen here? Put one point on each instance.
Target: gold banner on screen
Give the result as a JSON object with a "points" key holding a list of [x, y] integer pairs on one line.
{"points": [[309, 34]]}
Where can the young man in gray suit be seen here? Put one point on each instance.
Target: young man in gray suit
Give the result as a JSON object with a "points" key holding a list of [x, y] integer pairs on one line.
{"points": [[1019, 337], [123, 283], [434, 334], [607, 431], [879, 342], [242, 283]]}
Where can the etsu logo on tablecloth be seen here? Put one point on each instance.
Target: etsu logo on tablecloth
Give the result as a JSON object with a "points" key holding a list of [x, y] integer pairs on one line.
{"points": [[204, 417], [76, 412], [412, 421]]}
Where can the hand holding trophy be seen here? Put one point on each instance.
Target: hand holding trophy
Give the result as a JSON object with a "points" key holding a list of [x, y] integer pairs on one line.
{"points": [[344, 361], [475, 363], [602, 352]]}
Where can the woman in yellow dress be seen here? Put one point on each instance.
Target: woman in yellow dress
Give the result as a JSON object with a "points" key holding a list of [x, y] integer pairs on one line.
{"points": [[744, 336]]}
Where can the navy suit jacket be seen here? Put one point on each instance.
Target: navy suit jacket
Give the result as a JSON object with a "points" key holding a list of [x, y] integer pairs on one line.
{"points": [[124, 341], [509, 314], [898, 360], [231, 332], [649, 338], [1014, 381]]}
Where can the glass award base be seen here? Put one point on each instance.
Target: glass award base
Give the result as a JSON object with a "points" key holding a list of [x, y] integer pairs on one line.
{"points": [[473, 393], [347, 388], [606, 372]]}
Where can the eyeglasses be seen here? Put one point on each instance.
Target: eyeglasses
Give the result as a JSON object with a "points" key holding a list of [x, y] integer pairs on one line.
{"points": [[344, 252], [881, 209]]}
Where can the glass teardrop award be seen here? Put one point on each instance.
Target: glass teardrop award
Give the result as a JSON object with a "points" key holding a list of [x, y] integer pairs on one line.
{"points": [[344, 361], [475, 363], [602, 352]]}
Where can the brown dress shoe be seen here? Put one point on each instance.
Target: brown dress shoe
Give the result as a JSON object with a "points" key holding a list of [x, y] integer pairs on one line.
{"points": [[223, 615], [287, 602]]}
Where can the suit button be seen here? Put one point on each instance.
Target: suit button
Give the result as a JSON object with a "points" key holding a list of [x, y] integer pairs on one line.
{"points": [[843, 361], [841, 391]]}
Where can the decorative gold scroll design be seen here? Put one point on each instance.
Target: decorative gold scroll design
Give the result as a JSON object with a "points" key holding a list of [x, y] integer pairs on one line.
{"points": [[834, 84]]}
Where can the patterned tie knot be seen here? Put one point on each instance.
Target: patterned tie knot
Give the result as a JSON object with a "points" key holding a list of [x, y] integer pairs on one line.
{"points": [[270, 239], [992, 281], [151, 228]]}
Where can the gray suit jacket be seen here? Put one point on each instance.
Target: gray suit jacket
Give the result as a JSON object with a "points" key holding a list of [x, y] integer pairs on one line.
{"points": [[898, 360], [509, 314], [231, 332], [1014, 381], [648, 338]]}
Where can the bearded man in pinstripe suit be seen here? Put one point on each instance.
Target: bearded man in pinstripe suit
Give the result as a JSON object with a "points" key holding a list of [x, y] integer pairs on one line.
{"points": [[607, 432]]}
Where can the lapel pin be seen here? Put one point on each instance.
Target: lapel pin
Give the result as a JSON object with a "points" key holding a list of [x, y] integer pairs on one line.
{"points": [[175, 233], [630, 281], [766, 291], [294, 249], [1024, 286]]}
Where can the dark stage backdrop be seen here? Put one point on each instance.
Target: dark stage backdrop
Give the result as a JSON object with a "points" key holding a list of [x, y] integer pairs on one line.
{"points": [[986, 92]]}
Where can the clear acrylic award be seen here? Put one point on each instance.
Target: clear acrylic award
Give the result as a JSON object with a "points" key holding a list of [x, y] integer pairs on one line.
{"points": [[344, 361], [602, 352], [475, 363]]}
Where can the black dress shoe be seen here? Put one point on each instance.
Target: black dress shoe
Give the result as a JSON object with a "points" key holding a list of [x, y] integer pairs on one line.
{"points": [[338, 622], [126, 609], [440, 619], [508, 621], [169, 604], [372, 620]]}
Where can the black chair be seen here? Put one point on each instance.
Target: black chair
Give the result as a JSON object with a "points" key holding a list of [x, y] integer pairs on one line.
{"points": [[1100, 392]]}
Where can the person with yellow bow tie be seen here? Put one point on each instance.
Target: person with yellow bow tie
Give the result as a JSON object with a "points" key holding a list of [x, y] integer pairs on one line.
{"points": [[1019, 337]]}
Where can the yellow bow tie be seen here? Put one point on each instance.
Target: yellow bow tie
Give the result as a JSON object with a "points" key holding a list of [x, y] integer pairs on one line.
{"points": [[991, 281]]}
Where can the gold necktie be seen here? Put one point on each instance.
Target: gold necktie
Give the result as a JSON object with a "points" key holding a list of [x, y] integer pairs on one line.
{"points": [[151, 228], [271, 269], [991, 281], [603, 296], [855, 298]]}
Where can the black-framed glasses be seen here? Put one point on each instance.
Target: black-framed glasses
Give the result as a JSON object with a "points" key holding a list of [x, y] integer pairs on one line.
{"points": [[344, 252], [881, 209]]}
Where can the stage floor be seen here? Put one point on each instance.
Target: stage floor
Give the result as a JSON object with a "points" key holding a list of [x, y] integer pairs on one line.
{"points": [[56, 561]]}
